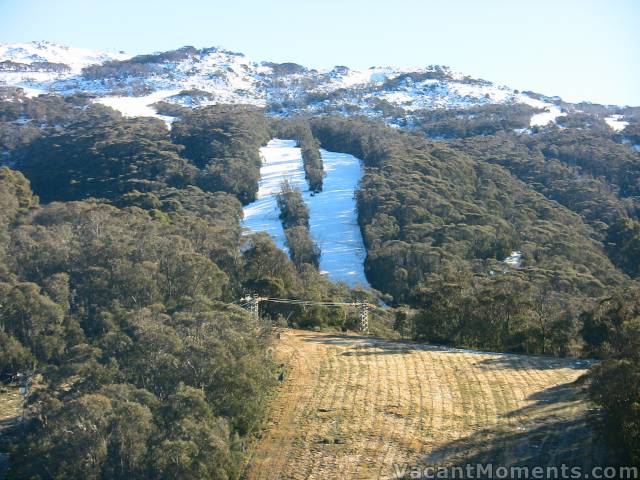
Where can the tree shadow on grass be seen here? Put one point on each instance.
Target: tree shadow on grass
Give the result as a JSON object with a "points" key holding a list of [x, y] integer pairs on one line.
{"points": [[517, 362], [555, 430], [361, 345]]}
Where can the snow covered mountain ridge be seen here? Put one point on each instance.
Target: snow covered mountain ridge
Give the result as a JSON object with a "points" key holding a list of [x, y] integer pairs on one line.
{"points": [[194, 77]]}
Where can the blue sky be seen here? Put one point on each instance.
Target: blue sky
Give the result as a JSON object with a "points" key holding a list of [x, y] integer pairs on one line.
{"points": [[580, 50]]}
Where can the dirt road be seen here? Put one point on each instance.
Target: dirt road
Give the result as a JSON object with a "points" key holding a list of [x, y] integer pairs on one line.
{"points": [[353, 407]]}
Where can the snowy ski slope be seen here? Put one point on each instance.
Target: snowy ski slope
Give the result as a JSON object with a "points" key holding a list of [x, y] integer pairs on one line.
{"points": [[333, 222]]}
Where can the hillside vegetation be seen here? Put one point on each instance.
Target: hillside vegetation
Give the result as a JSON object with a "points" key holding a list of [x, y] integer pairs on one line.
{"points": [[122, 262]]}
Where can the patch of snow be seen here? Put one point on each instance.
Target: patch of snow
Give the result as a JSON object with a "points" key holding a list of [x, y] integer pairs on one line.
{"points": [[139, 106], [333, 219], [514, 260], [32, 92], [532, 102], [544, 118], [616, 123], [352, 78], [332, 223], [549, 115]]}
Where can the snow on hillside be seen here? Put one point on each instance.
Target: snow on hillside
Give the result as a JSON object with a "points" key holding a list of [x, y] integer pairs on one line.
{"points": [[343, 77], [616, 123], [75, 58], [139, 106], [281, 160], [195, 77], [332, 221], [50, 62], [432, 93], [549, 115]]}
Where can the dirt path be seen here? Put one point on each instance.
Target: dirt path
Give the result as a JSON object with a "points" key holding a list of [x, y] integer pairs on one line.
{"points": [[353, 407]]}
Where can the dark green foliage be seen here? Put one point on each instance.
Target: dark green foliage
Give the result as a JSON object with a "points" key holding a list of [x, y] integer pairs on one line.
{"points": [[294, 215], [224, 141], [500, 313], [302, 249], [423, 207], [481, 120], [612, 330], [585, 121], [104, 157], [313, 168], [293, 209], [141, 337], [585, 171], [593, 198], [595, 155], [623, 245]]}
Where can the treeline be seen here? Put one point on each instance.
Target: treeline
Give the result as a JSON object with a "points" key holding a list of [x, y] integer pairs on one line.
{"points": [[612, 332], [437, 225], [72, 150], [294, 215]]}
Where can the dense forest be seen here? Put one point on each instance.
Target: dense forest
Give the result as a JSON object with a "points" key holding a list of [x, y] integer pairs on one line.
{"points": [[122, 260], [118, 290], [438, 219]]}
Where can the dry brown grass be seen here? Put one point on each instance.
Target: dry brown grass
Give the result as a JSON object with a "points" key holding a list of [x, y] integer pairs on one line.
{"points": [[10, 411], [353, 407]]}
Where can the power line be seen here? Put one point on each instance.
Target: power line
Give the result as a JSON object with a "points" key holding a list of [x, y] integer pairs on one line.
{"points": [[252, 302]]}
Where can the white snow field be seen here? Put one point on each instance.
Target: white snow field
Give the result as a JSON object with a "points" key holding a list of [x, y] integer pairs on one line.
{"points": [[139, 106], [333, 223], [281, 160], [616, 122], [549, 115]]}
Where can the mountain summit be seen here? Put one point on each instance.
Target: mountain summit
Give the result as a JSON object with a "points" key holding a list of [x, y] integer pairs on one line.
{"points": [[195, 77]]}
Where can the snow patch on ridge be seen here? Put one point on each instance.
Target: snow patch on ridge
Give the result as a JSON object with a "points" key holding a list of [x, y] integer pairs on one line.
{"points": [[616, 123], [74, 58], [551, 113]]}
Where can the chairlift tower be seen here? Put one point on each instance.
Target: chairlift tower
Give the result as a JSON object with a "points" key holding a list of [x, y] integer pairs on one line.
{"points": [[252, 304], [363, 309]]}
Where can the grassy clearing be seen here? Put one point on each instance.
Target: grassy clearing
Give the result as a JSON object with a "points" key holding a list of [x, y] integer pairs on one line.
{"points": [[352, 407], [10, 411]]}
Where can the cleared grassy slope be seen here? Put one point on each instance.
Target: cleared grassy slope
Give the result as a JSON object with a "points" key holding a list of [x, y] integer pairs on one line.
{"points": [[352, 407]]}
